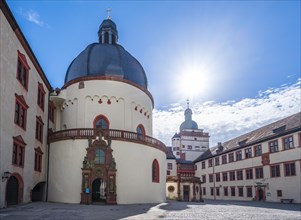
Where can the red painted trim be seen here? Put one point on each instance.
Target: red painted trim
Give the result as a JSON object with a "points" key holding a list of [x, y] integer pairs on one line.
{"points": [[24, 65], [252, 173], [98, 117], [19, 142], [276, 140], [39, 128], [21, 102], [284, 170], [299, 139], [142, 129], [41, 96], [112, 78], [272, 165]]}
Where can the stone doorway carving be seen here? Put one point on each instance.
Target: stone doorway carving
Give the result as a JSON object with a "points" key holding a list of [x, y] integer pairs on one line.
{"points": [[99, 173]]}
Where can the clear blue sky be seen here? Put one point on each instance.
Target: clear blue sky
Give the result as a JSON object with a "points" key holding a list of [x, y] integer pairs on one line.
{"points": [[237, 61], [236, 48]]}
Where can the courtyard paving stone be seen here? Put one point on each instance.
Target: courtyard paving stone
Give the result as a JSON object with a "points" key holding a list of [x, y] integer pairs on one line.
{"points": [[210, 210]]}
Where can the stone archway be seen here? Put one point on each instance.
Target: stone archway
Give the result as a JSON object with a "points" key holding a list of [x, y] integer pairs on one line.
{"points": [[14, 190], [37, 192], [99, 171]]}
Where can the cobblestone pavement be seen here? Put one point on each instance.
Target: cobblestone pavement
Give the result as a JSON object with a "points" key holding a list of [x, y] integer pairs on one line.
{"points": [[170, 210]]}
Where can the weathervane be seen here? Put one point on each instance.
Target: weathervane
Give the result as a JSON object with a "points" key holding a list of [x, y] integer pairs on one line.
{"points": [[109, 10], [187, 103]]}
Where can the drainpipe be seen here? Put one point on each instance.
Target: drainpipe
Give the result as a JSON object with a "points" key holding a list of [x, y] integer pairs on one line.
{"points": [[214, 177], [48, 149]]}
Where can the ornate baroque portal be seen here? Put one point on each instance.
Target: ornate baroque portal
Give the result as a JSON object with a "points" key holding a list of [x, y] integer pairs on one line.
{"points": [[99, 173]]}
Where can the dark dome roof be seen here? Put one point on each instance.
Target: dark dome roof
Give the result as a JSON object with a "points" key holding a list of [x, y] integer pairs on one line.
{"points": [[189, 124], [106, 60]]}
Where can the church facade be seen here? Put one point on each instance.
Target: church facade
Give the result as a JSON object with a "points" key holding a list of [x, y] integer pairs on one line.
{"points": [[88, 142]]}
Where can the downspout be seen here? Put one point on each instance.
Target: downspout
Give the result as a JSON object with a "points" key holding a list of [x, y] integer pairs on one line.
{"points": [[48, 149], [214, 177]]}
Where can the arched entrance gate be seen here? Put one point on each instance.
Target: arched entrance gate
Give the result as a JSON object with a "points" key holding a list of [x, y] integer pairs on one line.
{"points": [[99, 173], [14, 190]]}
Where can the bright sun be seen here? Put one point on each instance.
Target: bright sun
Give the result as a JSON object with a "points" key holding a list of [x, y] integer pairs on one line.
{"points": [[192, 82]]}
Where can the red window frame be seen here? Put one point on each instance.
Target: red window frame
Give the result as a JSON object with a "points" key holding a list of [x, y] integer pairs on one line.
{"points": [[217, 161], [210, 178], [203, 165], [169, 166], [248, 152], [238, 155], [225, 176], [39, 129], [231, 157], [240, 191], [226, 191], [249, 191], [20, 106], [272, 174], [239, 174], [249, 174], [210, 163], [38, 153], [257, 150], [218, 177], [274, 145], [232, 190], [155, 171], [224, 159], [41, 96], [140, 132], [18, 155], [101, 117], [22, 72], [232, 175], [259, 173], [290, 142], [291, 171], [203, 178]]}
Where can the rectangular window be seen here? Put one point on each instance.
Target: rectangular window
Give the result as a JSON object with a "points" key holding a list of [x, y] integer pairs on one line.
{"points": [[259, 173], [204, 191], [288, 143], [225, 191], [189, 147], [217, 191], [231, 157], [203, 165], [239, 174], [249, 192], [249, 174], [232, 191], [224, 159], [225, 176], [248, 152], [216, 161], [168, 172], [218, 177], [289, 169], [273, 146], [22, 70], [20, 111], [210, 178], [183, 146], [210, 163], [257, 151], [18, 151], [41, 95], [279, 193], [211, 191], [232, 175], [203, 178], [169, 166], [275, 170], [240, 191], [39, 129], [238, 155], [38, 159]]}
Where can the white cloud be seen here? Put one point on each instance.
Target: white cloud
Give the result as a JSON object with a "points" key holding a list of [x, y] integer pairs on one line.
{"points": [[230, 119], [33, 17]]}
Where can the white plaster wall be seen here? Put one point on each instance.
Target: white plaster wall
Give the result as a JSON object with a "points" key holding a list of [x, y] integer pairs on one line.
{"points": [[9, 85], [133, 178], [173, 171], [121, 112]]}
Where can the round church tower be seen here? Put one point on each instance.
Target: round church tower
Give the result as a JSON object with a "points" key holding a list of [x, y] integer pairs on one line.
{"points": [[102, 148]]}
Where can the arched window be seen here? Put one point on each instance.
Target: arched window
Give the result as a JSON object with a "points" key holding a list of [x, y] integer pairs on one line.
{"points": [[140, 132], [155, 171], [106, 38], [101, 122], [99, 156]]}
